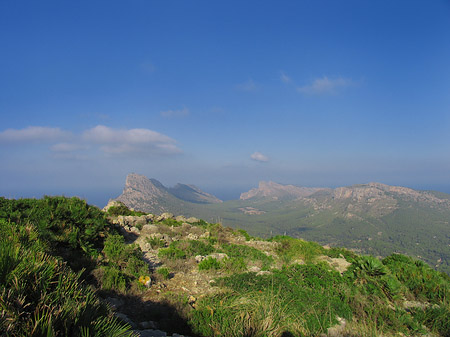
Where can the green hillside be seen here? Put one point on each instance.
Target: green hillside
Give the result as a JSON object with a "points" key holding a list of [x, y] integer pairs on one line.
{"points": [[67, 269]]}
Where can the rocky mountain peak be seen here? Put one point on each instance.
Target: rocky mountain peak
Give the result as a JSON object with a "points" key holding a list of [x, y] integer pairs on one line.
{"points": [[140, 183], [270, 189], [150, 195]]}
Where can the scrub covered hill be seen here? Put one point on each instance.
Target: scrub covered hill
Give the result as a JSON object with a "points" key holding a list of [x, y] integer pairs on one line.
{"points": [[373, 218], [62, 262]]}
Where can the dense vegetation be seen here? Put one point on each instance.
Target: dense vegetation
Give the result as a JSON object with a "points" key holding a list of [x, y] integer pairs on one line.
{"points": [[40, 295], [54, 251]]}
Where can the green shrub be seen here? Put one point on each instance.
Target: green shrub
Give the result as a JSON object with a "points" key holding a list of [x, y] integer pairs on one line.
{"points": [[171, 222], [341, 252], [291, 249], [125, 263], [41, 296], [122, 209], [248, 254], [114, 279], [164, 272], [301, 299], [172, 253], [234, 265], [209, 263], [61, 222], [156, 243], [421, 280], [244, 234], [198, 247]]}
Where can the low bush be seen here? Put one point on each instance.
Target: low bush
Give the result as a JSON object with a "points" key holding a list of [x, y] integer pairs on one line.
{"points": [[247, 254], [291, 249], [156, 243], [163, 272], [424, 283], [172, 253], [209, 263], [171, 222], [122, 209]]}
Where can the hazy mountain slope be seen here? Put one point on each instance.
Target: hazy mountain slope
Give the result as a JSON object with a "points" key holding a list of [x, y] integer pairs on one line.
{"points": [[270, 189], [371, 218], [193, 194]]}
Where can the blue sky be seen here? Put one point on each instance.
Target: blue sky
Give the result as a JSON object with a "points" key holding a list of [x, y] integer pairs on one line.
{"points": [[222, 94]]}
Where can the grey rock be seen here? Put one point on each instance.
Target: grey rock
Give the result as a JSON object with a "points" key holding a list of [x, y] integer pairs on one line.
{"points": [[254, 269], [150, 333], [115, 303], [165, 216], [180, 218], [218, 256], [147, 229], [126, 319], [147, 325]]}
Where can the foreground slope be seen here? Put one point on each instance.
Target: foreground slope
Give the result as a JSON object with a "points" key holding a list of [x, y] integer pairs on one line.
{"points": [[165, 275]]}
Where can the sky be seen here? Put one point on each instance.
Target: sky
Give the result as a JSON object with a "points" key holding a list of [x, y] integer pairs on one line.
{"points": [[222, 94]]}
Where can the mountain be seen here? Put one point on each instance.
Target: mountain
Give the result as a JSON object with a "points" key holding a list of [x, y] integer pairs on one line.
{"points": [[193, 194], [370, 218], [149, 195], [270, 189]]}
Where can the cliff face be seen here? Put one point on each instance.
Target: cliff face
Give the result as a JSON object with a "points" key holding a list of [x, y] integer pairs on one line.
{"points": [[149, 195]]}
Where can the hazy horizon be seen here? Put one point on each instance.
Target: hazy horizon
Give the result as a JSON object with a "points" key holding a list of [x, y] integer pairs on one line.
{"points": [[223, 94]]}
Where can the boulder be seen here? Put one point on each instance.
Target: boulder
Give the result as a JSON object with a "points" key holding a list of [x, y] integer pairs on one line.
{"points": [[147, 325], [164, 216], [180, 218], [111, 203], [192, 219], [149, 229], [115, 303], [125, 319], [150, 333]]}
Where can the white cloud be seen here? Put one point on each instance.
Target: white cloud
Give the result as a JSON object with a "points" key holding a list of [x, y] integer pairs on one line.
{"points": [[127, 141], [33, 134], [248, 85], [175, 113], [258, 156], [285, 78], [325, 85], [67, 147], [100, 138]]}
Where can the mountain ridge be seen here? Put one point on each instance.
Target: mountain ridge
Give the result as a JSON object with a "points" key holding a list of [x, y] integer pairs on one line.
{"points": [[372, 218]]}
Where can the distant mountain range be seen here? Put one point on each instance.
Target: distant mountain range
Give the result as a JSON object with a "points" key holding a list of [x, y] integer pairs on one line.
{"points": [[371, 218]]}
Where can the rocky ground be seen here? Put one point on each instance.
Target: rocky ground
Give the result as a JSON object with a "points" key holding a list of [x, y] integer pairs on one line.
{"points": [[151, 312]]}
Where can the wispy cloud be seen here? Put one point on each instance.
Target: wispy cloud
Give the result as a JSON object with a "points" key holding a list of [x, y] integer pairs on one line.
{"points": [[67, 147], [325, 85], [90, 142], [258, 156], [33, 134], [175, 113], [285, 78], [129, 141], [248, 85]]}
